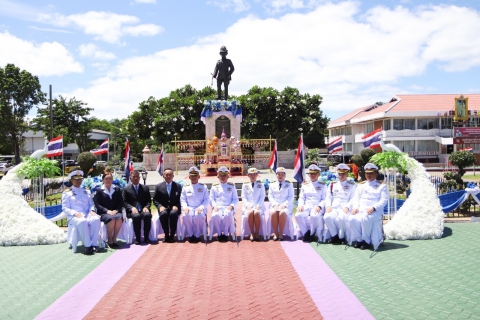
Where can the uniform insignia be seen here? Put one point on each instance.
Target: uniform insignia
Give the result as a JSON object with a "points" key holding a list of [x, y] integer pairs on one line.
{"points": [[229, 189], [200, 189], [351, 182], [230, 183], [259, 186], [318, 188]]}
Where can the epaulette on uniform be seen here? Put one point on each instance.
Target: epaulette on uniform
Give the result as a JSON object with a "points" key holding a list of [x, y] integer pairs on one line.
{"points": [[273, 181], [187, 184], [321, 182], [333, 181], [287, 181], [362, 182], [231, 183], [216, 184], [246, 182], [259, 181], [306, 182], [68, 189]]}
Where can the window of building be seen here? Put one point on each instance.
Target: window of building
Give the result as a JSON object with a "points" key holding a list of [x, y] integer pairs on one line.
{"points": [[426, 124], [348, 131], [402, 124], [348, 147], [368, 127], [405, 146], [427, 145], [447, 123], [387, 124]]}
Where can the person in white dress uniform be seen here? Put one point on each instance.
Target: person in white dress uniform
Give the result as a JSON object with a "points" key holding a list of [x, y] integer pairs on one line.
{"points": [[367, 210], [280, 196], [223, 199], [311, 205], [77, 204], [253, 202], [337, 206], [194, 200]]}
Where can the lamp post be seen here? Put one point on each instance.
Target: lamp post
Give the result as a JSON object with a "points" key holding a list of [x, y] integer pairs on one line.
{"points": [[144, 176]]}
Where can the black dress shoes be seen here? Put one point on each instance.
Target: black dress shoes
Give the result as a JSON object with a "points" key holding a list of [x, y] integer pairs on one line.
{"points": [[88, 250], [306, 236], [358, 244], [343, 241], [333, 239], [364, 246]]}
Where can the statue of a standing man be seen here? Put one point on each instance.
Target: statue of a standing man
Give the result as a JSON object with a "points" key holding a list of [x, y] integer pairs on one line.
{"points": [[223, 73]]}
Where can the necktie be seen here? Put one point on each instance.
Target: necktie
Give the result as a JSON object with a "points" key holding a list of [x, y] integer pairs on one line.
{"points": [[139, 207], [279, 185], [169, 188], [136, 190], [253, 183]]}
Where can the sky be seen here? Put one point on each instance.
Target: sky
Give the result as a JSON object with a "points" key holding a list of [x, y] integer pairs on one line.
{"points": [[113, 54]]}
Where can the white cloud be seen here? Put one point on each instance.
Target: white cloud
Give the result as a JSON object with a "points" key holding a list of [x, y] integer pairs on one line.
{"points": [[92, 51], [105, 26], [351, 58], [45, 59], [236, 5], [49, 29]]}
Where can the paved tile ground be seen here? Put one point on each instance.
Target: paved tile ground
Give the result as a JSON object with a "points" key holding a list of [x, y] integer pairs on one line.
{"points": [[32, 278], [425, 279], [220, 280]]}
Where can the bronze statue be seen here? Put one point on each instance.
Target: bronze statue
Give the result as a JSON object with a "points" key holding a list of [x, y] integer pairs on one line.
{"points": [[223, 73]]}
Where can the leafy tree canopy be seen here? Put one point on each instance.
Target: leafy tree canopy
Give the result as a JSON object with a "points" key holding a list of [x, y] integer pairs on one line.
{"points": [[20, 91]]}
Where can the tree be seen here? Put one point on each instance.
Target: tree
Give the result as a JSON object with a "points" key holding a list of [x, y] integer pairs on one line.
{"points": [[461, 159], [85, 161], [283, 115], [70, 120], [20, 91], [361, 160]]}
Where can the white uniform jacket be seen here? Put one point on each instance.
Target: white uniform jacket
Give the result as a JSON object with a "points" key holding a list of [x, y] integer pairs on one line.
{"points": [[194, 196], [340, 194], [223, 195], [312, 194], [77, 200], [283, 196], [253, 195], [370, 194]]}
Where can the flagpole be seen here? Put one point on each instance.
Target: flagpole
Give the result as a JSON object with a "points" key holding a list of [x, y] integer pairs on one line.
{"points": [[108, 152], [161, 164], [63, 168]]}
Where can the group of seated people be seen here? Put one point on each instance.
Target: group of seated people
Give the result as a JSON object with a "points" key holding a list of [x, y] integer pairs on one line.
{"points": [[341, 212]]}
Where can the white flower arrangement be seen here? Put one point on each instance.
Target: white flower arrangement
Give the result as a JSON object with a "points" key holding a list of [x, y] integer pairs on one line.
{"points": [[20, 225]]}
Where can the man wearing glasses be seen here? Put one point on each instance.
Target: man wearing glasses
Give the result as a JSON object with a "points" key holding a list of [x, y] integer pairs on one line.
{"points": [[311, 204], [337, 205]]}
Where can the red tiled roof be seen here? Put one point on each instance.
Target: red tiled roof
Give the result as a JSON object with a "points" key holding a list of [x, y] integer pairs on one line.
{"points": [[410, 103]]}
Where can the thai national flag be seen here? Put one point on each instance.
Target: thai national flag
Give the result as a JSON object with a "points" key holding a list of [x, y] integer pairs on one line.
{"points": [[102, 149], [469, 149], [274, 158], [55, 147], [298, 166], [372, 140], [128, 163], [335, 146], [160, 162]]}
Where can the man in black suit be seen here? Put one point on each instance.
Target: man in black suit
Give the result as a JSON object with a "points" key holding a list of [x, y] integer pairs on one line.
{"points": [[137, 201], [167, 200]]}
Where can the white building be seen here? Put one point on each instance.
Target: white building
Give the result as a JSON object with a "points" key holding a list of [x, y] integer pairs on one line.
{"points": [[36, 141], [421, 124]]}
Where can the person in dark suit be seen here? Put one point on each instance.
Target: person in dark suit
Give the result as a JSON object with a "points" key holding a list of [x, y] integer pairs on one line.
{"points": [[167, 200], [109, 204], [137, 201]]}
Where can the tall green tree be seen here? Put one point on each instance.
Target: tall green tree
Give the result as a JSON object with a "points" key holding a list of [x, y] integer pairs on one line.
{"points": [[20, 91], [71, 119], [284, 116]]}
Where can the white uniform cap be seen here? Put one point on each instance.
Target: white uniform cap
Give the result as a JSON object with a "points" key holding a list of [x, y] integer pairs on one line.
{"points": [[252, 170], [193, 171], [314, 169], [281, 169], [370, 167], [223, 171], [75, 175], [343, 168]]}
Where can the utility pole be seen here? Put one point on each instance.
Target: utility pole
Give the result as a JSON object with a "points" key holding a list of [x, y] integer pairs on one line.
{"points": [[51, 115]]}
